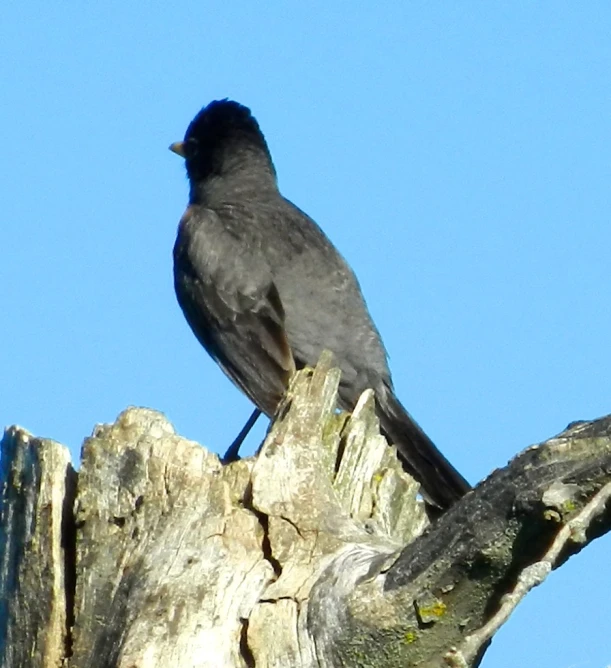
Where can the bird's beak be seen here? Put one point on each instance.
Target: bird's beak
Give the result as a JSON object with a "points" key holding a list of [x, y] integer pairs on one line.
{"points": [[178, 147]]}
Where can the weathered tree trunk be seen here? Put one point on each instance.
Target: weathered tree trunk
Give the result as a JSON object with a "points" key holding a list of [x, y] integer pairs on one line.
{"points": [[314, 553]]}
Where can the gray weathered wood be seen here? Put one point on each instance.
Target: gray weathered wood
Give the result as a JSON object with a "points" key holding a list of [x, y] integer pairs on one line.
{"points": [[37, 484], [314, 553]]}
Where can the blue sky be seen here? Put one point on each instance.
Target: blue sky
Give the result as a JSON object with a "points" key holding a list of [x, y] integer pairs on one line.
{"points": [[457, 153]]}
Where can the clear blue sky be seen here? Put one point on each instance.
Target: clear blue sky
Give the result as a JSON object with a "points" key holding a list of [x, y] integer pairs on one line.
{"points": [[457, 153]]}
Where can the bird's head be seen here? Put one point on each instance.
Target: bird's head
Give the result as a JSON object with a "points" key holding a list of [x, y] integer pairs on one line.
{"points": [[222, 139]]}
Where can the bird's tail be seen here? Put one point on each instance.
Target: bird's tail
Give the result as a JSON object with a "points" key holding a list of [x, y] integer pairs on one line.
{"points": [[441, 484]]}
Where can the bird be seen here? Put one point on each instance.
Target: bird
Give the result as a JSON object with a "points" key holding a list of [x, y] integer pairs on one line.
{"points": [[265, 291]]}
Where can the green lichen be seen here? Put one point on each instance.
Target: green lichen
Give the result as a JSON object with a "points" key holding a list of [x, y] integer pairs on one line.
{"points": [[569, 506], [438, 609], [430, 609], [411, 635]]}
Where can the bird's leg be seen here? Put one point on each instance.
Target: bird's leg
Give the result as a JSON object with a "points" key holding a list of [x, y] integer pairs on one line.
{"points": [[232, 451]]}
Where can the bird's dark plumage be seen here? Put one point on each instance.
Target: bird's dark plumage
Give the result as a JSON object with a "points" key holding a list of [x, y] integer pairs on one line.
{"points": [[265, 291]]}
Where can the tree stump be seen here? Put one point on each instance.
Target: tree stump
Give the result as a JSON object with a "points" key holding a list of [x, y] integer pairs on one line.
{"points": [[316, 552]]}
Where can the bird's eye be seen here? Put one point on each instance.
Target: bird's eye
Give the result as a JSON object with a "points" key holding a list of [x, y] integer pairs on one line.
{"points": [[191, 146]]}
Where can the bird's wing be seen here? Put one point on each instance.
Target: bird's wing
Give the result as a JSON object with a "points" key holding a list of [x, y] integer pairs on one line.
{"points": [[226, 291]]}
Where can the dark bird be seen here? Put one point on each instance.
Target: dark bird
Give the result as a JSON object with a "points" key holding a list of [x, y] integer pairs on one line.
{"points": [[265, 291]]}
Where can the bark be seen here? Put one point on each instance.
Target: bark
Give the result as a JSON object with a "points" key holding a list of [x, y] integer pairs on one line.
{"points": [[314, 553]]}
